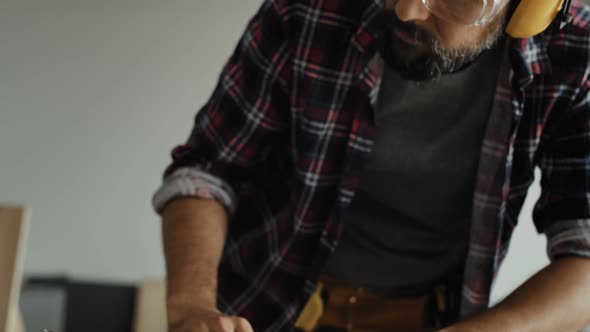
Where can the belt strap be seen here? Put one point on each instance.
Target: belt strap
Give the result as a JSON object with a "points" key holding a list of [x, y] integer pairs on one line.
{"points": [[337, 305]]}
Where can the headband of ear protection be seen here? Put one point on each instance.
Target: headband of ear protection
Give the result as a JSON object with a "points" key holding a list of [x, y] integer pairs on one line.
{"points": [[534, 16]]}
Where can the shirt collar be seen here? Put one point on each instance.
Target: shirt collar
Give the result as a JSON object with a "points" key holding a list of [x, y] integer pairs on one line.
{"points": [[367, 34], [529, 58]]}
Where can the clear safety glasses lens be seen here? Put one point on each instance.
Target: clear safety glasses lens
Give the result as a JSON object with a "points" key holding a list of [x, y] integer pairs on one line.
{"points": [[466, 12]]}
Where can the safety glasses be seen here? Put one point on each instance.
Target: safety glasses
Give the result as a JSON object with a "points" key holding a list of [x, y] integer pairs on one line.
{"points": [[466, 12]]}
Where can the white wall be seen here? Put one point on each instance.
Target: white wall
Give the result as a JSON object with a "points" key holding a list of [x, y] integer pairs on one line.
{"points": [[93, 94]]}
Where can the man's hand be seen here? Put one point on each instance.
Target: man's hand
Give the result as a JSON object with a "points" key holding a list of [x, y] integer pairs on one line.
{"points": [[211, 321]]}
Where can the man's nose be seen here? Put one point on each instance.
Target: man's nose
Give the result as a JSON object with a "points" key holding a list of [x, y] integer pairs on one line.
{"points": [[410, 10]]}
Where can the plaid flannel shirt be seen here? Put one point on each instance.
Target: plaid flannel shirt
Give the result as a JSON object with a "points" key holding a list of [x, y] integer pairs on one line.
{"points": [[283, 138]]}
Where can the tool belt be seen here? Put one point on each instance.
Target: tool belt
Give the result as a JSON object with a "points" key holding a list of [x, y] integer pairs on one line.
{"points": [[336, 305]]}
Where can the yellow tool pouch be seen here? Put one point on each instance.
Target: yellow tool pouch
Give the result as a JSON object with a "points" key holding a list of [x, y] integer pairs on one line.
{"points": [[312, 311]]}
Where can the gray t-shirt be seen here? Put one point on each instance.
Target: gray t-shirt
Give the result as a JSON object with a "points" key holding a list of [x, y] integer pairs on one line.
{"points": [[408, 225]]}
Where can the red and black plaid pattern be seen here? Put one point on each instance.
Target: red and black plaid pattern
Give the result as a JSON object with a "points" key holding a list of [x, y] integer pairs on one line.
{"points": [[283, 139]]}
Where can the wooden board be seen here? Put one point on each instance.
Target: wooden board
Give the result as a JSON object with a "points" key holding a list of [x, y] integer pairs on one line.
{"points": [[13, 223], [150, 307]]}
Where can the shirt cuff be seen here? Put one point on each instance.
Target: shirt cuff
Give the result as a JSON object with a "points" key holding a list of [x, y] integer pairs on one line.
{"points": [[192, 182], [568, 238]]}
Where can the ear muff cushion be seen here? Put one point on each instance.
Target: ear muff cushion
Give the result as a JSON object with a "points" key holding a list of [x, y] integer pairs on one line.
{"points": [[533, 17]]}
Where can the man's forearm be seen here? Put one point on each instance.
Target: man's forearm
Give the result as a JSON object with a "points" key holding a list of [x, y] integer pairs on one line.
{"points": [[555, 299], [194, 233]]}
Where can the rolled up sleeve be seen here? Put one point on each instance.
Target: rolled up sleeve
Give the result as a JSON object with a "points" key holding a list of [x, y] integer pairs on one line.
{"points": [[192, 182], [568, 238]]}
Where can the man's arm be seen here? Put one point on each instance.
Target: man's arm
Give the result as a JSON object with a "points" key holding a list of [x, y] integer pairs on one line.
{"points": [[555, 299], [194, 232], [231, 137]]}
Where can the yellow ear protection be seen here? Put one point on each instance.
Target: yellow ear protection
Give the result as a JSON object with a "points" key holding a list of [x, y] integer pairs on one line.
{"points": [[534, 16]]}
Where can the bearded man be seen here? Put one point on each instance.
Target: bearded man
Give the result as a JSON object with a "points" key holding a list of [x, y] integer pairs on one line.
{"points": [[361, 166]]}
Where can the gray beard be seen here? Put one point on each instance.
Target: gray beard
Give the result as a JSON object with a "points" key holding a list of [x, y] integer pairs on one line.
{"points": [[440, 60]]}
